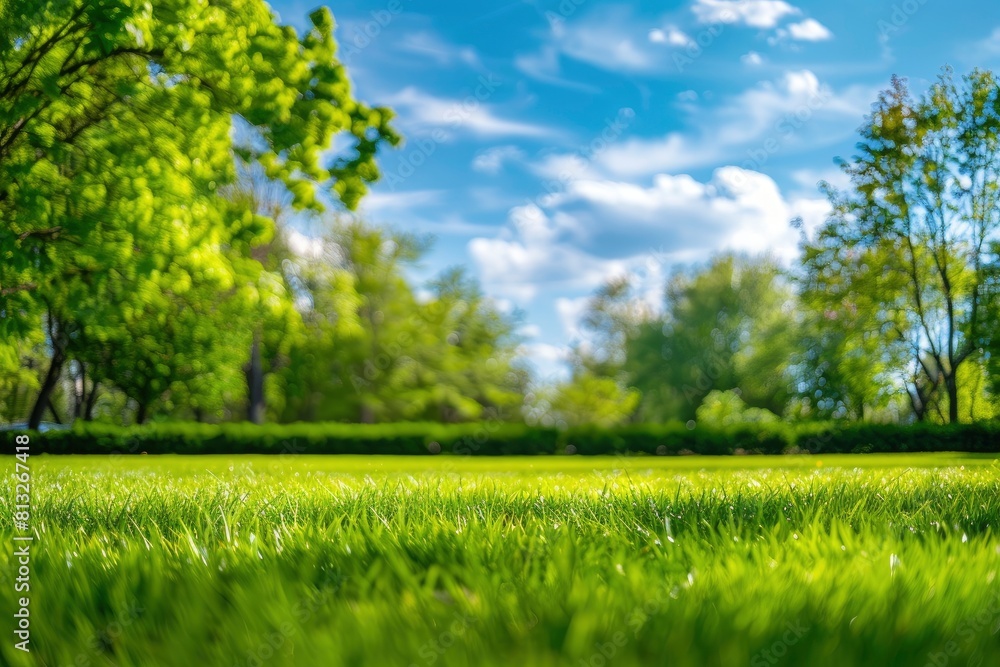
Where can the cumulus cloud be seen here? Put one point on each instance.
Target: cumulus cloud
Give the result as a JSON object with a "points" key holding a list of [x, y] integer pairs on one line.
{"points": [[671, 35], [754, 13], [492, 160], [809, 30], [535, 250], [602, 228], [752, 59]]}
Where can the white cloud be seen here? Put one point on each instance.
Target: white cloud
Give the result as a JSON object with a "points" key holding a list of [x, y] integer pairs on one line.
{"points": [[754, 13], [605, 46], [601, 228], [737, 209], [753, 59], [378, 202], [991, 45], [547, 360], [671, 35], [302, 245], [796, 110], [423, 111], [530, 331], [430, 45], [536, 249], [809, 30], [571, 313], [608, 39], [492, 160], [544, 66]]}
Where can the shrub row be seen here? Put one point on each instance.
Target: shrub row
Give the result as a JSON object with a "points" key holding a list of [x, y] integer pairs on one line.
{"points": [[504, 439], [328, 438]]}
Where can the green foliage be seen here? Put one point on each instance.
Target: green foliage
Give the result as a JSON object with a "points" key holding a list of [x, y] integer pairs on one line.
{"points": [[375, 351], [725, 408], [119, 122], [850, 357], [495, 437], [923, 215], [586, 399], [728, 326], [412, 438]]}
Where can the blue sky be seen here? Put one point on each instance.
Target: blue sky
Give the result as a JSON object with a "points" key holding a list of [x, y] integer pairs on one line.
{"points": [[553, 145]]}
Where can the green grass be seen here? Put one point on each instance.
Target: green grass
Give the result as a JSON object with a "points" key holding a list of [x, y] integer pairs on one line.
{"points": [[328, 561]]}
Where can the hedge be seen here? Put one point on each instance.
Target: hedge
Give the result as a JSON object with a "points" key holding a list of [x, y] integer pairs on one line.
{"points": [[492, 439]]}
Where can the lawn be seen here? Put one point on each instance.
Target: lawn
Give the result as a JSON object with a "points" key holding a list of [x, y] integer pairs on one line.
{"points": [[689, 561]]}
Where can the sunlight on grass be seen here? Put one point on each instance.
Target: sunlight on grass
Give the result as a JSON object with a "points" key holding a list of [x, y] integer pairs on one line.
{"points": [[881, 560]]}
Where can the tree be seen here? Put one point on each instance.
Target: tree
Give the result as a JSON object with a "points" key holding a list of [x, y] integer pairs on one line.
{"points": [[585, 399], [372, 361], [730, 325], [376, 350], [925, 194], [850, 354], [725, 408], [116, 123], [275, 323], [613, 317], [470, 368]]}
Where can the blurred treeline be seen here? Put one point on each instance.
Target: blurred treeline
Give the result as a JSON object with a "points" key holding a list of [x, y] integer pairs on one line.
{"points": [[157, 160], [892, 313]]}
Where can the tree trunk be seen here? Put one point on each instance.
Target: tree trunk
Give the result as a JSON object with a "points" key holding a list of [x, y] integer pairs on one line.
{"points": [[141, 413], [49, 384], [88, 412], [951, 383], [367, 415], [55, 415], [255, 383]]}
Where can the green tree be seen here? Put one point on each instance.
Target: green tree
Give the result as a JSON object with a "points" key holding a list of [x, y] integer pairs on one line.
{"points": [[851, 357], [725, 408], [614, 316], [469, 370], [116, 121], [730, 325], [375, 350], [925, 195], [585, 399]]}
